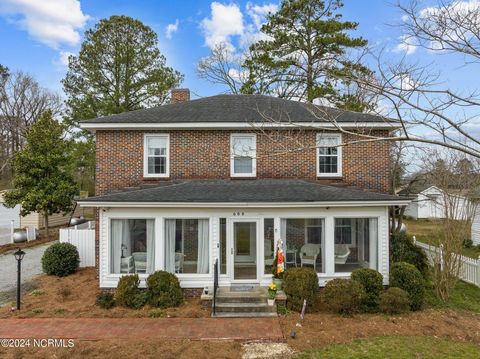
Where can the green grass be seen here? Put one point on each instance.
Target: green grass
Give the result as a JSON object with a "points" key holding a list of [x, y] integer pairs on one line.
{"points": [[464, 296], [427, 231], [398, 348]]}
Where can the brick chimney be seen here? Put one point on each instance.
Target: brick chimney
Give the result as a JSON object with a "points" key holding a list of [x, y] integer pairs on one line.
{"points": [[180, 95]]}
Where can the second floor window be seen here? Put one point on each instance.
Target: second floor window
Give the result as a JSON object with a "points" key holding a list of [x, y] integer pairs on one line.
{"points": [[243, 148], [329, 155], [156, 155]]}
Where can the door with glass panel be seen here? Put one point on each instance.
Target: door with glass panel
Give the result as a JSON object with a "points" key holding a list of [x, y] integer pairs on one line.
{"points": [[244, 250]]}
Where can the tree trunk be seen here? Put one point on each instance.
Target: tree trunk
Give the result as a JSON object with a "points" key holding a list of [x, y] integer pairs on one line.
{"points": [[45, 216]]}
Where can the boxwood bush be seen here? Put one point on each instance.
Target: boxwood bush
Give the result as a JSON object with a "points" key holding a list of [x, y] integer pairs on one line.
{"points": [[402, 249], [164, 290], [105, 300], [372, 282], [60, 259], [127, 290], [343, 296], [394, 301], [407, 277], [299, 284]]}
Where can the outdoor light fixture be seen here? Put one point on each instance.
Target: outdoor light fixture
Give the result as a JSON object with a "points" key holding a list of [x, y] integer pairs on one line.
{"points": [[19, 254]]}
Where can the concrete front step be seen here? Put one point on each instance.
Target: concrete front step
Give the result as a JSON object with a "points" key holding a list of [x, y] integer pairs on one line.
{"points": [[243, 302], [245, 307], [244, 315]]}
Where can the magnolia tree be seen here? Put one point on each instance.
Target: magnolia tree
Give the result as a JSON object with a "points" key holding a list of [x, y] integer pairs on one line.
{"points": [[43, 182]]}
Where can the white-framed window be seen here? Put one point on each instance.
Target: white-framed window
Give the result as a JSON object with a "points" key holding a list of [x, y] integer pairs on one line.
{"points": [[243, 152], [156, 155], [329, 155]]}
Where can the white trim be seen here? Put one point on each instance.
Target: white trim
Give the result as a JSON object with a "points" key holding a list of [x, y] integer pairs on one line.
{"points": [[233, 125], [254, 157], [399, 202], [339, 155], [146, 136]]}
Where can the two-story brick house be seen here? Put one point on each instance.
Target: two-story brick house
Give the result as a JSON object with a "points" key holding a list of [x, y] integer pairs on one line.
{"points": [[182, 185]]}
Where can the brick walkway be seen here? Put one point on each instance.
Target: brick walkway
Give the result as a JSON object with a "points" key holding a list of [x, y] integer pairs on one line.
{"points": [[141, 328]]}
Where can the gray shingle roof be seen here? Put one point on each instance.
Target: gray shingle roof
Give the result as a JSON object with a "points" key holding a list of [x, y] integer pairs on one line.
{"points": [[238, 108], [243, 191]]}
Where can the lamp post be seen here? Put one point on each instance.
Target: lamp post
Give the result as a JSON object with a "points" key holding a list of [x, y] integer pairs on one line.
{"points": [[19, 254]]}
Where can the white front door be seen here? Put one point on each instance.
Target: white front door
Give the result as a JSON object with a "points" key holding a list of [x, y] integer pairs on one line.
{"points": [[244, 242]]}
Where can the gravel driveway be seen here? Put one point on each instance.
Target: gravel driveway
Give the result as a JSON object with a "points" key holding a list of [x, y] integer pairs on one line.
{"points": [[31, 266]]}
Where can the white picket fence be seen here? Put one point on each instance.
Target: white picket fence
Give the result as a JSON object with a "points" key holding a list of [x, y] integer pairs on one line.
{"points": [[469, 269], [6, 233], [82, 237]]}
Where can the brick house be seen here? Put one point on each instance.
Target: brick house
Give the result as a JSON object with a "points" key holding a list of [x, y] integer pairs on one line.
{"points": [[230, 178]]}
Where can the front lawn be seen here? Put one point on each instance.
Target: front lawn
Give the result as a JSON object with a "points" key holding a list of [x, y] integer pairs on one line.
{"points": [[464, 296], [398, 348], [427, 231]]}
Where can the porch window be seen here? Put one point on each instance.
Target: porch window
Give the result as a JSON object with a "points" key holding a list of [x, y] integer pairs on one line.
{"points": [[187, 246], [329, 155], [268, 245], [156, 155], [356, 243], [243, 152], [132, 246], [304, 242]]}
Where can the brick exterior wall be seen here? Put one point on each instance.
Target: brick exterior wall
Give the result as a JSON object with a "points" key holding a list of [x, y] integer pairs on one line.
{"points": [[205, 154]]}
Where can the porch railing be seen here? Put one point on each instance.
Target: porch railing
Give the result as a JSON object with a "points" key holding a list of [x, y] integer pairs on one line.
{"points": [[215, 285]]}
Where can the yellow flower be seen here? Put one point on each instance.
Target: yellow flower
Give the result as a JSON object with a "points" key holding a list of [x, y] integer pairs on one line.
{"points": [[272, 286]]}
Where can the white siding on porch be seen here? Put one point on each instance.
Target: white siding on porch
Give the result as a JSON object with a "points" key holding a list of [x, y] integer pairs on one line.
{"points": [[108, 280]]}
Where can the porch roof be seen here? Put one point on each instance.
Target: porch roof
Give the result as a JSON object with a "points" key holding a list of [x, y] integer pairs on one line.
{"points": [[243, 191]]}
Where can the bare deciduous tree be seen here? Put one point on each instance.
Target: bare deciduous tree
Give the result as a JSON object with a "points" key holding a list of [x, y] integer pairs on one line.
{"points": [[456, 183], [22, 101]]}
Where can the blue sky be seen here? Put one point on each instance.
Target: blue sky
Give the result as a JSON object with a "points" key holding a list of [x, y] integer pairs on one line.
{"points": [[36, 34]]}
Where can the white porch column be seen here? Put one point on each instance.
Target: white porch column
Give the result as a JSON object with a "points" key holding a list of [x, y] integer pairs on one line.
{"points": [[276, 233], [329, 245], [159, 244]]}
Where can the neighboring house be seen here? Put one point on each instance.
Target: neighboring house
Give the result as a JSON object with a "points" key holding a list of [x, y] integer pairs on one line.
{"points": [[428, 202], [34, 219], [183, 185]]}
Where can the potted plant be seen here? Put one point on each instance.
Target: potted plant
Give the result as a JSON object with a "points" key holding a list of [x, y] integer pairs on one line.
{"points": [[272, 293]]}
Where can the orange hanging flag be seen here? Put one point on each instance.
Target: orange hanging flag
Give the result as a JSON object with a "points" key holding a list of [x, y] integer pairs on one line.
{"points": [[280, 259]]}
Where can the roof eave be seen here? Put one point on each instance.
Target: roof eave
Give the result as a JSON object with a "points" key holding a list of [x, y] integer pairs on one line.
{"points": [[94, 126], [396, 202]]}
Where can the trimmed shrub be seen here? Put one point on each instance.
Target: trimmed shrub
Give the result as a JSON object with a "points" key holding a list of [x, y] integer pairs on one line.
{"points": [[127, 289], [164, 290], [105, 300], [394, 301], [372, 282], [60, 259], [140, 299], [402, 249], [299, 284], [468, 243], [405, 276], [343, 296]]}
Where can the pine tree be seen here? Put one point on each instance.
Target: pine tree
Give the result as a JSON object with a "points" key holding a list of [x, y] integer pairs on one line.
{"points": [[305, 53]]}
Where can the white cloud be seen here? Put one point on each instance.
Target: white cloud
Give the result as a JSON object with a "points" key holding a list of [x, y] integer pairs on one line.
{"points": [[225, 21], [52, 22], [171, 28], [405, 45], [63, 58], [258, 13]]}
